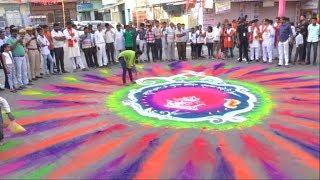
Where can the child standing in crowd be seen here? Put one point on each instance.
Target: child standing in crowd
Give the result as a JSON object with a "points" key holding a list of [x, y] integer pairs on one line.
{"points": [[209, 41], [4, 106], [9, 68], [299, 47]]}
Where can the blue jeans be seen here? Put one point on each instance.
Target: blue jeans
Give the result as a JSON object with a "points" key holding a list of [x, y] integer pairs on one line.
{"points": [[11, 74], [1, 127], [124, 70], [22, 70], [47, 60]]}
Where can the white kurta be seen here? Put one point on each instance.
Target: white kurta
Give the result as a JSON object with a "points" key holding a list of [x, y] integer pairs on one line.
{"points": [[75, 50], [119, 40], [255, 43], [267, 35]]}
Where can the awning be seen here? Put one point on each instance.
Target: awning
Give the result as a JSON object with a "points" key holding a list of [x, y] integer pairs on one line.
{"points": [[110, 7], [157, 2]]}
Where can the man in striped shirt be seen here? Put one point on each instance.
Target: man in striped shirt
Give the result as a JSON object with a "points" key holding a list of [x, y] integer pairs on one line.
{"points": [[150, 39]]}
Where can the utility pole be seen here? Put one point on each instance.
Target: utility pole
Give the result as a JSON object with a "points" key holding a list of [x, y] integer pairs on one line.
{"points": [[63, 13]]}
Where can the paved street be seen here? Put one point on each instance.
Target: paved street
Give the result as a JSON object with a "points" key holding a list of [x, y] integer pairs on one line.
{"points": [[78, 126]]}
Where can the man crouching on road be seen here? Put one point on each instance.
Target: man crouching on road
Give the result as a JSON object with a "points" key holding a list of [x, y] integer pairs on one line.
{"points": [[127, 60]]}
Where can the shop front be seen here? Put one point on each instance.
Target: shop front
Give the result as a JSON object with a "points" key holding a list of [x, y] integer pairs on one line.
{"points": [[13, 13], [54, 12], [258, 9], [89, 10]]}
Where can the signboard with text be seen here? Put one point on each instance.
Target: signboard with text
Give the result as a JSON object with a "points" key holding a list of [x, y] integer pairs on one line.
{"points": [[84, 7], [222, 6]]}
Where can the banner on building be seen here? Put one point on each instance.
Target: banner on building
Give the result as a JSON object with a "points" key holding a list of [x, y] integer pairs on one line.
{"points": [[268, 3], [208, 4], [222, 6]]}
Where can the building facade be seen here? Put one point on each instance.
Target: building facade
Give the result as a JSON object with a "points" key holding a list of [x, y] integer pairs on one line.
{"points": [[51, 13], [14, 13], [89, 10], [118, 11], [218, 11]]}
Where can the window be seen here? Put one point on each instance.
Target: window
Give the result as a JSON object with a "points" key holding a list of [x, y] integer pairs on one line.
{"points": [[85, 16], [98, 16]]}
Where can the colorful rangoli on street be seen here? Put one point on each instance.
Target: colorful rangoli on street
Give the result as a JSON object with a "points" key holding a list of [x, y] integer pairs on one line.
{"points": [[179, 121], [192, 99]]}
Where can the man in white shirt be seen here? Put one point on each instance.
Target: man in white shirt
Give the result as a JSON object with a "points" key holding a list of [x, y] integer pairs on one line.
{"points": [[180, 40], [2, 75], [158, 42], [109, 38], [58, 42], [201, 35], [73, 47], [163, 40], [193, 43], [6, 108], [254, 42], [312, 40], [268, 34], [45, 52], [170, 39], [119, 40], [100, 43], [216, 30], [299, 47]]}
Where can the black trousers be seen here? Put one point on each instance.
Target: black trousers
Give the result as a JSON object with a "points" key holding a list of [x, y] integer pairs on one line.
{"points": [[313, 45], [290, 51], [199, 49], [304, 48], [110, 51], [150, 47], [181, 47], [1, 126], [193, 50], [59, 54], [299, 52], [210, 49], [124, 70], [158, 49], [95, 58], [243, 50], [88, 54]]}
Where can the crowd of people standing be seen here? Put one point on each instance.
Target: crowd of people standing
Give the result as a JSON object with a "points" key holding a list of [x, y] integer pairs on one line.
{"points": [[32, 53]]}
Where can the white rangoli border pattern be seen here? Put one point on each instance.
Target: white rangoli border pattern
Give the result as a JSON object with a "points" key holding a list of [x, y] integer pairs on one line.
{"points": [[233, 116]]}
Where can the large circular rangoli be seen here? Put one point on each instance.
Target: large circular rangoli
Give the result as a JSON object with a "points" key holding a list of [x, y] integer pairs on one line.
{"points": [[192, 100]]}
